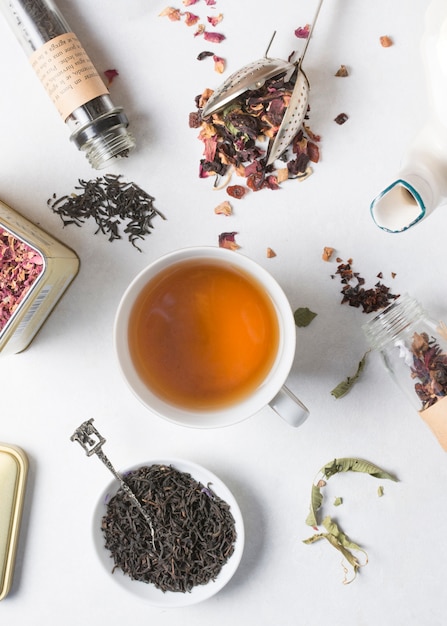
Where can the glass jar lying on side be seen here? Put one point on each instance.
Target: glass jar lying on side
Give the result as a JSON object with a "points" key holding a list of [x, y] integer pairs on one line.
{"points": [[413, 348]]}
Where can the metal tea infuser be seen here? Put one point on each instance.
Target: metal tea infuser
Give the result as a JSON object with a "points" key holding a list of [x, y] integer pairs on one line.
{"points": [[253, 76], [92, 441]]}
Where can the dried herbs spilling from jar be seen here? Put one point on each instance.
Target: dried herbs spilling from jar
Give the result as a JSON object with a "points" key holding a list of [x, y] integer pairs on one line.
{"points": [[354, 293], [117, 206], [194, 530], [236, 138], [20, 266]]}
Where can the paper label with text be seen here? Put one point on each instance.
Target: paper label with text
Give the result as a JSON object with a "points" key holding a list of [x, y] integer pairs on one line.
{"points": [[67, 73]]}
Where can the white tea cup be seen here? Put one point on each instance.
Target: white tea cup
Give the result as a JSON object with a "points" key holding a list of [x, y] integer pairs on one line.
{"points": [[271, 390]]}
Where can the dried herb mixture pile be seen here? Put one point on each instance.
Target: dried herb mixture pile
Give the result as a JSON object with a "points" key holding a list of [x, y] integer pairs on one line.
{"points": [[20, 266], [110, 202], [194, 530], [236, 137], [429, 368], [354, 293]]}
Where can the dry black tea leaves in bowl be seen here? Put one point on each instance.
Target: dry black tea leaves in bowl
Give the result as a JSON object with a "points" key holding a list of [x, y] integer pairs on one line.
{"points": [[194, 530], [115, 205]]}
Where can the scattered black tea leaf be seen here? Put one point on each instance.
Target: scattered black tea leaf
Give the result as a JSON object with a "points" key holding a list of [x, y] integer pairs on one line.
{"points": [[115, 205], [194, 530], [303, 316], [345, 386]]}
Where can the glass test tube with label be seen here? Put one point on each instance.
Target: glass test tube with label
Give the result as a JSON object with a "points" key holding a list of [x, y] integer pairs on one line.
{"points": [[98, 127]]}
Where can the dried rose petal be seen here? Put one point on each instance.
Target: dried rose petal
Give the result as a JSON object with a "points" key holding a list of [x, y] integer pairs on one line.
{"points": [[386, 41], [227, 240], [313, 151], [236, 191], [20, 265], [224, 208], [188, 3], [173, 14], [215, 19], [213, 37], [219, 64], [110, 75], [270, 253], [200, 30], [210, 3], [302, 32], [191, 19]]}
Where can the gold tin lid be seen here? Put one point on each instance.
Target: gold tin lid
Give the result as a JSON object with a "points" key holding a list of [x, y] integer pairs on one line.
{"points": [[13, 474]]}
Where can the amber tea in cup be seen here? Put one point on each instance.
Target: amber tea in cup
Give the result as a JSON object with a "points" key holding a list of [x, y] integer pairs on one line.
{"points": [[206, 337], [203, 334]]}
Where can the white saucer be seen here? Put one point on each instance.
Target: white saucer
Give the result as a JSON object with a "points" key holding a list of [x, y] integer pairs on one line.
{"points": [[147, 591]]}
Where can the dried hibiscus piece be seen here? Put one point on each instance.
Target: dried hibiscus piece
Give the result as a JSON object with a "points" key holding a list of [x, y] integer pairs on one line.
{"points": [[110, 75], [341, 118], [227, 240], [204, 55], [302, 32], [270, 253], [236, 191], [370, 300]]}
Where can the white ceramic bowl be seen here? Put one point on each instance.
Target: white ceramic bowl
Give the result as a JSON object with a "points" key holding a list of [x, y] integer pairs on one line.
{"points": [[147, 591]]}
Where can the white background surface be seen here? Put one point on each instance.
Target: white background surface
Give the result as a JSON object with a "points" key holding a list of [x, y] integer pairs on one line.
{"points": [[69, 374]]}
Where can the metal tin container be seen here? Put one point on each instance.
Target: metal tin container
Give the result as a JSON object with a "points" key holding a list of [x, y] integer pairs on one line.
{"points": [[60, 266], [13, 474]]}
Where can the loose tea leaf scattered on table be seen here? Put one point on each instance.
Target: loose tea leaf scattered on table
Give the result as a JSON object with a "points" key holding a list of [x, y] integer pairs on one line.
{"points": [[303, 316], [333, 533], [115, 205], [194, 530]]}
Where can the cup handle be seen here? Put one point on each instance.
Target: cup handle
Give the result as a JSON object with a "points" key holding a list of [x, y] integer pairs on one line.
{"points": [[289, 407]]}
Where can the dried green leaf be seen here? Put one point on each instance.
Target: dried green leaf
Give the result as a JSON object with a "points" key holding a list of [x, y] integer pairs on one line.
{"points": [[346, 464], [345, 386], [380, 491], [349, 464], [303, 316], [316, 501], [337, 538], [338, 501]]}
